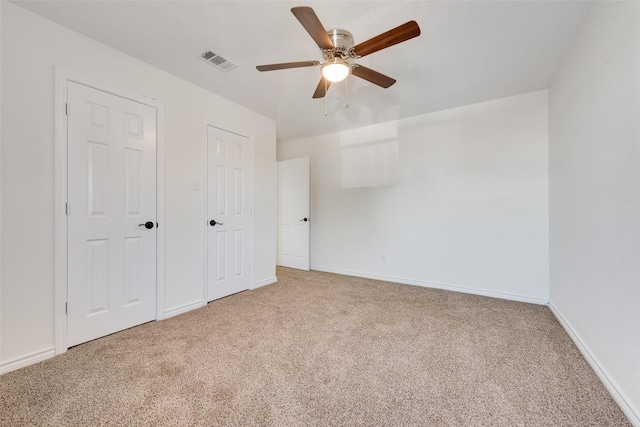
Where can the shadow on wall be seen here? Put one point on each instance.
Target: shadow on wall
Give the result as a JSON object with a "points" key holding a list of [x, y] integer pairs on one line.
{"points": [[369, 156]]}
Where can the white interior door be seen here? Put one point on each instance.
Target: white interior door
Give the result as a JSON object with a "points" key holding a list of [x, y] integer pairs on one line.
{"points": [[293, 213], [111, 192], [229, 213]]}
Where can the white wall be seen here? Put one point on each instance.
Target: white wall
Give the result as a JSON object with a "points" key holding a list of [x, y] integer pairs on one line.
{"points": [[468, 210], [0, 183], [31, 46], [594, 206]]}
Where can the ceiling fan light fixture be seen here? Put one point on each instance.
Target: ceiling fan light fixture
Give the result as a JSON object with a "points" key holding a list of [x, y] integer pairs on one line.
{"points": [[336, 70]]}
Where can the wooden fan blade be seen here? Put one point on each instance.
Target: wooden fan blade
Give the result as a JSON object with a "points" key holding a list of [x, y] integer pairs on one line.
{"points": [[286, 65], [373, 76], [322, 88], [396, 35], [312, 24]]}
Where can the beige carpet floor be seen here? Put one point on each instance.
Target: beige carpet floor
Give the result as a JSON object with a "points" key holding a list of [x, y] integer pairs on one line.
{"points": [[319, 349]]}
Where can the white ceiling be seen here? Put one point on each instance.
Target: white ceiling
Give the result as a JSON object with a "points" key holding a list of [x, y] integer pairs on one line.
{"points": [[468, 52]]}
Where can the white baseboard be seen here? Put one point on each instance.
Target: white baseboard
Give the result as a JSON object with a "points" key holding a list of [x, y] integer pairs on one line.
{"points": [[265, 282], [632, 412], [424, 284], [26, 360], [183, 308]]}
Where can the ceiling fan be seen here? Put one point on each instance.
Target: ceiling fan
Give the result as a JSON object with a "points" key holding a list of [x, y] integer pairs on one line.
{"points": [[337, 49]]}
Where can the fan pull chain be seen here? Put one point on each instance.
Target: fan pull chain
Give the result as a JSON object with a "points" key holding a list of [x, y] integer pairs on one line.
{"points": [[326, 101], [346, 97]]}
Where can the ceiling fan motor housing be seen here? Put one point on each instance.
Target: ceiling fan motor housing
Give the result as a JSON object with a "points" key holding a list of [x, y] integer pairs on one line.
{"points": [[343, 43]]}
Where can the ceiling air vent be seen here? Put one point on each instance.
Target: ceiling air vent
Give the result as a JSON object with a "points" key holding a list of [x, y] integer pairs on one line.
{"points": [[220, 62]]}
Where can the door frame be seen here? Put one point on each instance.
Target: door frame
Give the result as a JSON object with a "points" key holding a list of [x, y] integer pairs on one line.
{"points": [[205, 202], [62, 78]]}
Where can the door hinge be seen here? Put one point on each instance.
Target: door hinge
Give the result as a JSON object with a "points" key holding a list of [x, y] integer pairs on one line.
{"points": [[67, 208], [66, 307], [67, 109]]}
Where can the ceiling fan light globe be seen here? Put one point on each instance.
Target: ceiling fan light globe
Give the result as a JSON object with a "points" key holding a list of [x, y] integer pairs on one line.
{"points": [[335, 71]]}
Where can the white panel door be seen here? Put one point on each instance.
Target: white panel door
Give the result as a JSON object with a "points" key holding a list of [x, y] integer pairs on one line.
{"points": [[111, 196], [293, 213], [229, 213]]}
